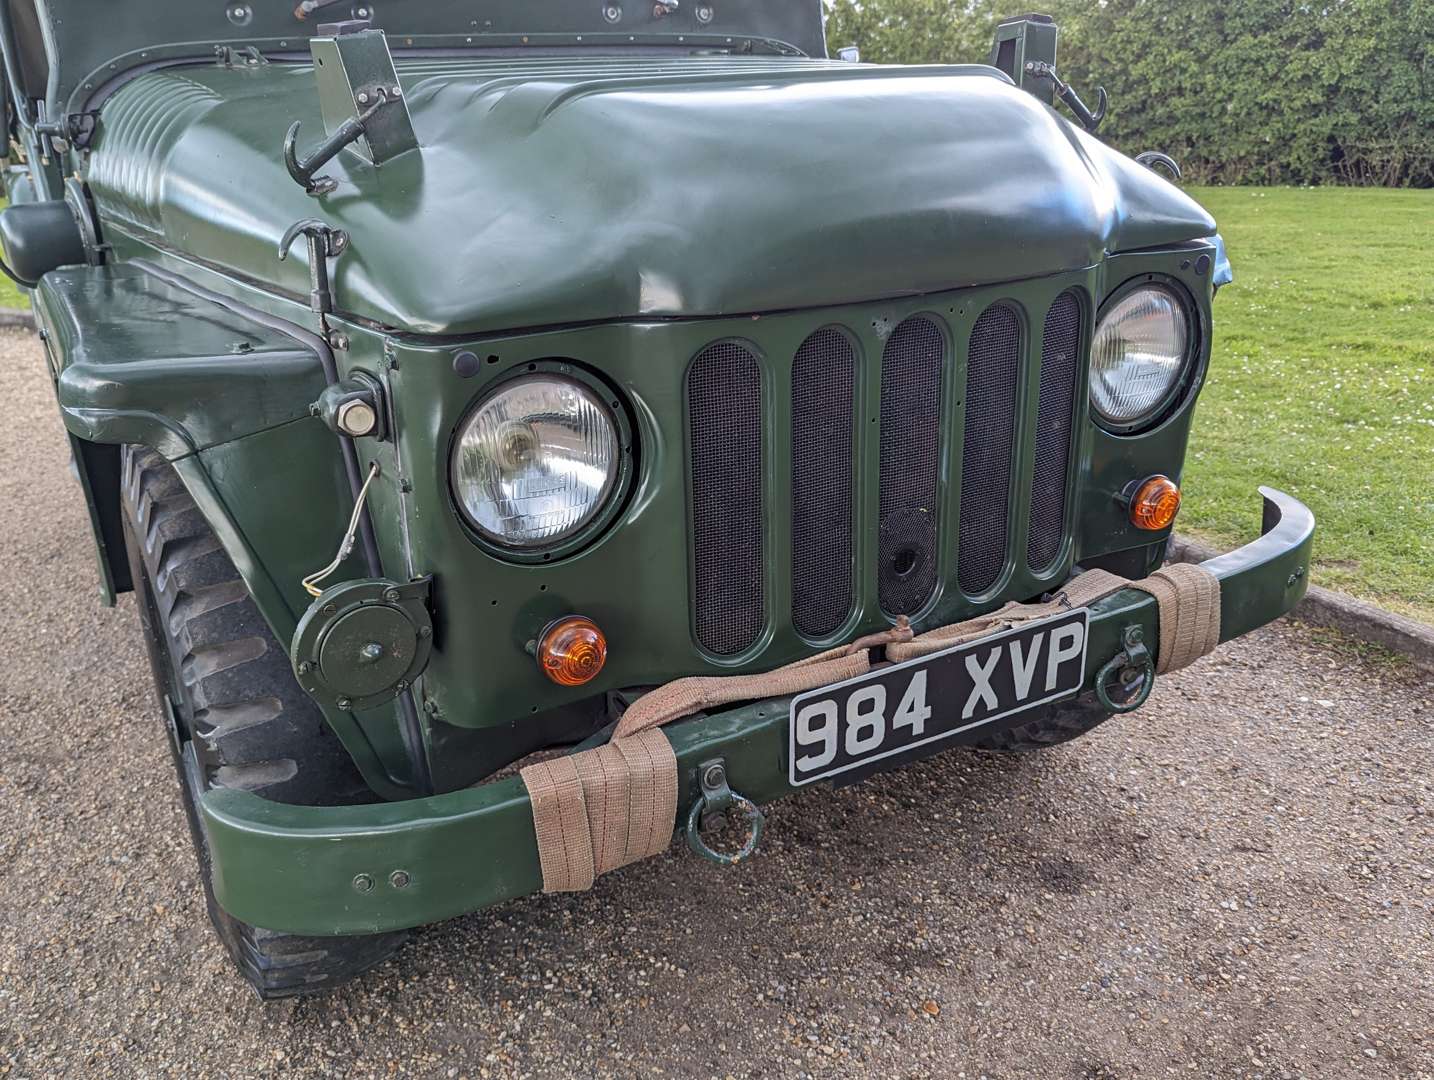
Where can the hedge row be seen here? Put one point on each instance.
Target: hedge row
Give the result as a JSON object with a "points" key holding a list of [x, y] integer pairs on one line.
{"points": [[1237, 91]]}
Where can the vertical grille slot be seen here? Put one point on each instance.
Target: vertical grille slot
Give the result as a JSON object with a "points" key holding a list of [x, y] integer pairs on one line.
{"points": [[823, 384], [1055, 420], [993, 369], [724, 409], [910, 464]]}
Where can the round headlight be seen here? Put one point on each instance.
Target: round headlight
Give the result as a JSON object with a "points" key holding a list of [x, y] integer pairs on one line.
{"points": [[1138, 355], [535, 461]]}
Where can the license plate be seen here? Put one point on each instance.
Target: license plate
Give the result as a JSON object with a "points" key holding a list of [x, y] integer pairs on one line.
{"points": [[898, 708]]}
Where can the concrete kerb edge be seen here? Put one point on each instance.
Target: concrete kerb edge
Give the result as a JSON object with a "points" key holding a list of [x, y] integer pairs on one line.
{"points": [[1357, 618]]}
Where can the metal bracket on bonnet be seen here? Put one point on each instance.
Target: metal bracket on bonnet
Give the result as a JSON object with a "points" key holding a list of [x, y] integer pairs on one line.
{"points": [[361, 101]]}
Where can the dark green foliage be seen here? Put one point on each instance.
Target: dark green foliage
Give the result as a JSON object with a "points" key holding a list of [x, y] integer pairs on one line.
{"points": [[1238, 91]]}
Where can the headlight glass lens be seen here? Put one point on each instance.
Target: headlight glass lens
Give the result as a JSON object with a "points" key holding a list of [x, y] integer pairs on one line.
{"points": [[536, 461], [1138, 354]]}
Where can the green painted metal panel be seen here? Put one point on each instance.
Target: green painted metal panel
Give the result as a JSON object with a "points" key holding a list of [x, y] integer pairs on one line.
{"points": [[635, 579], [561, 190], [293, 868], [94, 50], [172, 372]]}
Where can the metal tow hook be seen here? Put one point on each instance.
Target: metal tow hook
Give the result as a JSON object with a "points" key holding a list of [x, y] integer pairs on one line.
{"points": [[324, 243], [718, 798], [1134, 670], [350, 131]]}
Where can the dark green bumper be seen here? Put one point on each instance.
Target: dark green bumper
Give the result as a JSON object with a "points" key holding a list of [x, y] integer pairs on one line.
{"points": [[349, 870]]}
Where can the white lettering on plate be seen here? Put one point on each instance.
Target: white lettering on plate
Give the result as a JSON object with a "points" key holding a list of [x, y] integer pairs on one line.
{"points": [[1066, 644], [981, 682]]}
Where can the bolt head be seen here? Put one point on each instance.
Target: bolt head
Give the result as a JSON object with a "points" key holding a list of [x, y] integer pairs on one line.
{"points": [[363, 883], [399, 879], [363, 97], [392, 596], [344, 703], [715, 776], [356, 417]]}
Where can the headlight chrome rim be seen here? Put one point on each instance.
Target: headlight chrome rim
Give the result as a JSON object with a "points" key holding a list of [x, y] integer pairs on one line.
{"points": [[1189, 369], [608, 506]]}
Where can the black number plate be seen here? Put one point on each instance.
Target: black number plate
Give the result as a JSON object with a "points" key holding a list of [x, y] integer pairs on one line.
{"points": [[897, 708]]}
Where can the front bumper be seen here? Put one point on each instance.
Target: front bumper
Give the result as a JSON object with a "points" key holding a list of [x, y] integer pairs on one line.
{"points": [[364, 869]]}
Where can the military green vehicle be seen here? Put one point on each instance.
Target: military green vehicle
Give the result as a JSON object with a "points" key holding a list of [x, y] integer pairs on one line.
{"points": [[467, 385]]}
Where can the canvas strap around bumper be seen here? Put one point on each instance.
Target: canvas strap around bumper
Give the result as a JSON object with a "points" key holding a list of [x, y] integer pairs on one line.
{"points": [[1188, 596], [603, 808]]}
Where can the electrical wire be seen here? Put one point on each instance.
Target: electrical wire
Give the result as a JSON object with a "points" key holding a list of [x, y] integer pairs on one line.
{"points": [[310, 583]]}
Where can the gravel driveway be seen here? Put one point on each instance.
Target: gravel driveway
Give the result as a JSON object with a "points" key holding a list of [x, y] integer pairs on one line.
{"points": [[1236, 881]]}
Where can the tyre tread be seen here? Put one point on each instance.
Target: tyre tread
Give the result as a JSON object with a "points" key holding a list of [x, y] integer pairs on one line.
{"points": [[251, 726]]}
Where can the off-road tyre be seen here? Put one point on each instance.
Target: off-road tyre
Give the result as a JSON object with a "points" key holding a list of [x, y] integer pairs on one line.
{"points": [[240, 719], [1061, 723]]}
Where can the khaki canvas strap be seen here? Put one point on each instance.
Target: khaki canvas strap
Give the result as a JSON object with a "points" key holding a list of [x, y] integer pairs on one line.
{"points": [[602, 808], [615, 804], [1079, 591], [683, 697], [1188, 596]]}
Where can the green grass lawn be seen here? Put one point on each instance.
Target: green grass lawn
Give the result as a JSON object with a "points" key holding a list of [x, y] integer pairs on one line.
{"points": [[10, 294], [1322, 383]]}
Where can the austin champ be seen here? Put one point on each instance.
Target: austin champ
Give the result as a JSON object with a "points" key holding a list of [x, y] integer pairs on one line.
{"points": [[643, 395]]}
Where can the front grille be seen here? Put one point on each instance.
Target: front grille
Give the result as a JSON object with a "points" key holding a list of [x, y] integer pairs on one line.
{"points": [[910, 464], [823, 387], [724, 408], [899, 477], [993, 371], [1060, 364]]}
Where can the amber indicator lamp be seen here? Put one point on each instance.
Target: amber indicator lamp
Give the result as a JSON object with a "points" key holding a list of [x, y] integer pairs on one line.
{"points": [[1155, 503], [572, 650]]}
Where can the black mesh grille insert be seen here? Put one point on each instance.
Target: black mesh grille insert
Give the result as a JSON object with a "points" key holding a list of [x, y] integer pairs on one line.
{"points": [[910, 464], [823, 380], [992, 377], [1060, 363], [724, 408]]}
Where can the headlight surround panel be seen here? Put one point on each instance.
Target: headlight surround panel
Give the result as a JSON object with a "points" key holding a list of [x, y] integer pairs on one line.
{"points": [[578, 397], [1181, 345]]}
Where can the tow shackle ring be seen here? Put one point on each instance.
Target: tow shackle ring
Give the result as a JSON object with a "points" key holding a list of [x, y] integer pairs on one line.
{"points": [[718, 798], [1134, 657]]}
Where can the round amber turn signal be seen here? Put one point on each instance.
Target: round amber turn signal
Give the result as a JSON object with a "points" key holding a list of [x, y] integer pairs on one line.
{"points": [[572, 651], [1155, 504]]}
